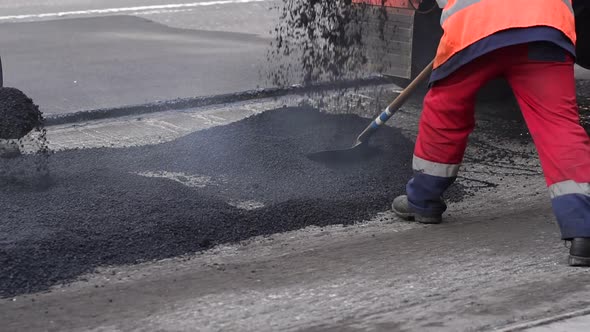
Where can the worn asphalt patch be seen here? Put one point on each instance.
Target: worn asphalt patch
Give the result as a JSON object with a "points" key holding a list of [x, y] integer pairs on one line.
{"points": [[122, 206]]}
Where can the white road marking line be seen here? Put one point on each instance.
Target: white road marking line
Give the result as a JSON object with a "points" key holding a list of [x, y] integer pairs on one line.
{"points": [[163, 11], [201, 181], [248, 205], [126, 9], [191, 181]]}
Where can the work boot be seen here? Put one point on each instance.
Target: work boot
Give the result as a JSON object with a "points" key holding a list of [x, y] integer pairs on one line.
{"points": [[579, 252], [401, 208], [9, 149]]}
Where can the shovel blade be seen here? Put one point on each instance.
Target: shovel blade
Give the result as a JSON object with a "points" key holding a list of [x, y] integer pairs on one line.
{"points": [[358, 152]]}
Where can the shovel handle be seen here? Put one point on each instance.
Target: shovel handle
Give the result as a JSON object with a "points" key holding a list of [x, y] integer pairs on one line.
{"points": [[396, 104]]}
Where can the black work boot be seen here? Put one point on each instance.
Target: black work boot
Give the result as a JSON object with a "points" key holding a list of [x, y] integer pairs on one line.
{"points": [[401, 208], [579, 252]]}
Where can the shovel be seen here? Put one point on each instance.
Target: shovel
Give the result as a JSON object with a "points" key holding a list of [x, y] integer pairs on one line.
{"points": [[361, 150]]}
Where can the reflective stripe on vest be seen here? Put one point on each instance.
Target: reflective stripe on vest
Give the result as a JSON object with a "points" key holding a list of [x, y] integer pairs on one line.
{"points": [[467, 21]]}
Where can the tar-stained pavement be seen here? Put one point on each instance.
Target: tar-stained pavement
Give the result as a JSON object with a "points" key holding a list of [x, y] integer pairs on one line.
{"points": [[229, 183], [496, 260], [221, 185]]}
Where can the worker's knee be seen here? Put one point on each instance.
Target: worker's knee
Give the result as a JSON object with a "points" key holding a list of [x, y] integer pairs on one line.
{"points": [[448, 113]]}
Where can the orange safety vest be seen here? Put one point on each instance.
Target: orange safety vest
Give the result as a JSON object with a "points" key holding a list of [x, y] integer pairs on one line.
{"points": [[465, 22]]}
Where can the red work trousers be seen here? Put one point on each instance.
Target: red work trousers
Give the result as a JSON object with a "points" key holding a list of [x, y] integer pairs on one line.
{"points": [[546, 94]]}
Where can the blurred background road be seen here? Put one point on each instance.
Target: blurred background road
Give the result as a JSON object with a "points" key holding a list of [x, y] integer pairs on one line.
{"points": [[76, 55], [72, 55]]}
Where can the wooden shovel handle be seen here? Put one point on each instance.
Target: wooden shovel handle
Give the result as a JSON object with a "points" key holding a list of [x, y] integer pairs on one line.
{"points": [[409, 90]]}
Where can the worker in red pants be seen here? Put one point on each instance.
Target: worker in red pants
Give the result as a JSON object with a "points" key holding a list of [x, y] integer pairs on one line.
{"points": [[532, 45]]}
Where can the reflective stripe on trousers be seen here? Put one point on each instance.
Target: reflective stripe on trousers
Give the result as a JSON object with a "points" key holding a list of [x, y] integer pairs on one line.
{"points": [[435, 169], [569, 187], [430, 181]]}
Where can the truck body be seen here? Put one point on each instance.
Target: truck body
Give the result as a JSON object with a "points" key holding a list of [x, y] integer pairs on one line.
{"points": [[411, 32]]}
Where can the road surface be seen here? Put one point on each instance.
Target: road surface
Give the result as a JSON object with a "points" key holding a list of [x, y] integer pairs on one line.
{"points": [[74, 56], [497, 262], [82, 55], [156, 204]]}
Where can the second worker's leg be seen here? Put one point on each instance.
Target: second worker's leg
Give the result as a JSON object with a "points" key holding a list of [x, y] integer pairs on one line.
{"points": [[546, 93]]}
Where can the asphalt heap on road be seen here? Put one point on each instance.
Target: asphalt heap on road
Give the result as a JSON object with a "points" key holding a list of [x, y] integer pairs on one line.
{"points": [[113, 206], [18, 114], [22, 123]]}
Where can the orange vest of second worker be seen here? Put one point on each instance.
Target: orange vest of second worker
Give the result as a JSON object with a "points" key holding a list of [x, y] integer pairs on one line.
{"points": [[491, 16]]}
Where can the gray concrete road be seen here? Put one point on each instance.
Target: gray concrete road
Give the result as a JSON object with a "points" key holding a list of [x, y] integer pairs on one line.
{"points": [[218, 15], [575, 324], [582, 73], [496, 263], [75, 55], [476, 273], [80, 55]]}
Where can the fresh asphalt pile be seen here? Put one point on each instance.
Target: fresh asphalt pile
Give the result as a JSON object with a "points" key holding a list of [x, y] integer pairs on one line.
{"points": [[18, 114], [22, 122], [100, 211]]}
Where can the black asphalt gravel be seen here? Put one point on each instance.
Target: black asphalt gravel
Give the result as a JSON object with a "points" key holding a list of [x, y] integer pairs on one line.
{"points": [[18, 114], [99, 211]]}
